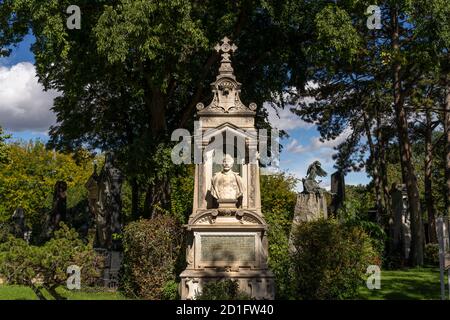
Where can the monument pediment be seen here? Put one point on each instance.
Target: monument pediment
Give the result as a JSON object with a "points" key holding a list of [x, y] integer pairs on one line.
{"points": [[230, 129]]}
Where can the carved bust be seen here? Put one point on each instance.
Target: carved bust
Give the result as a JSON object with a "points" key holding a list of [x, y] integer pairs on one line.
{"points": [[226, 184]]}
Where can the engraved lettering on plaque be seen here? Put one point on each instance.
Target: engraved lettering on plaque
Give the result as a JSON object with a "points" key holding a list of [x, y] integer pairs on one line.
{"points": [[228, 248]]}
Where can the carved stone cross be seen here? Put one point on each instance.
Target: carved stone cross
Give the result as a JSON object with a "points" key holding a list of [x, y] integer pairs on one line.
{"points": [[225, 48]]}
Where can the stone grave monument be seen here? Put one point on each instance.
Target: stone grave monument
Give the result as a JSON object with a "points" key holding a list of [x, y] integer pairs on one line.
{"points": [[104, 194], [337, 191], [311, 203], [400, 224], [227, 233]]}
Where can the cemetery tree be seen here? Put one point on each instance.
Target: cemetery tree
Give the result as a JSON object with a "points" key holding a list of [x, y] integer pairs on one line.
{"points": [[350, 59], [3, 146], [136, 69]]}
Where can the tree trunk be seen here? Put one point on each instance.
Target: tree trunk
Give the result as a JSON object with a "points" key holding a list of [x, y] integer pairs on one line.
{"points": [[376, 171], [409, 175], [447, 130], [428, 178], [134, 199], [157, 198], [381, 145]]}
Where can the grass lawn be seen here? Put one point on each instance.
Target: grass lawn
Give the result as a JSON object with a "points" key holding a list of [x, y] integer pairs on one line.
{"points": [[13, 292], [417, 283]]}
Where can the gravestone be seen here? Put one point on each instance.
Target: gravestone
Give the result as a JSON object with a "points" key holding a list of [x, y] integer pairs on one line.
{"points": [[443, 235], [59, 210], [401, 224], [337, 191], [108, 209], [227, 233], [311, 204], [18, 226], [105, 205]]}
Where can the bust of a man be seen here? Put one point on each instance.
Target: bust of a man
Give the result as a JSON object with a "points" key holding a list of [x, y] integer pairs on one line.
{"points": [[226, 184]]}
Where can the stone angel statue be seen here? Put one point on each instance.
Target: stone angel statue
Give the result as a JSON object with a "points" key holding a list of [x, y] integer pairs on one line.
{"points": [[310, 185]]}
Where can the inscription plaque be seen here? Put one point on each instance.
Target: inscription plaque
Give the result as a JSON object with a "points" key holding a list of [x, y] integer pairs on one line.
{"points": [[229, 248]]}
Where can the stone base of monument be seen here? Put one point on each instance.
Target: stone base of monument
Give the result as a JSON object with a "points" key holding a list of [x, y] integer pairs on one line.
{"points": [[256, 284], [310, 207], [112, 264], [227, 244]]}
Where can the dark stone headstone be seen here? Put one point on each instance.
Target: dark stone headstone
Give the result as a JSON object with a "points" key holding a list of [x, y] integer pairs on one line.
{"points": [[337, 190], [109, 205], [18, 223], [59, 210]]}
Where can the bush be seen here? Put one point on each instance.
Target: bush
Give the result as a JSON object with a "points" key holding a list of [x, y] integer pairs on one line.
{"points": [[330, 259], [170, 290], [222, 290], [21, 263], [278, 199], [432, 254], [279, 259], [151, 250]]}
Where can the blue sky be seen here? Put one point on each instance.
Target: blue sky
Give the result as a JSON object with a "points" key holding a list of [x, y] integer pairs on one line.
{"points": [[25, 113]]}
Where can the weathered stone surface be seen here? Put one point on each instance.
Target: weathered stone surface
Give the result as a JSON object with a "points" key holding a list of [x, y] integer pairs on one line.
{"points": [[310, 207], [401, 225], [337, 191], [228, 248], [108, 208]]}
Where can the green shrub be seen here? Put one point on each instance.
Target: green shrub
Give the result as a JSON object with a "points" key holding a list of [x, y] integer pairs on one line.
{"points": [[330, 259], [151, 250], [222, 290], [21, 263], [279, 259], [432, 254], [278, 198], [170, 290]]}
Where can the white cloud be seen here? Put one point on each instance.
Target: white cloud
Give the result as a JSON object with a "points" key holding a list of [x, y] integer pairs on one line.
{"points": [[316, 144], [24, 105], [284, 119], [295, 147]]}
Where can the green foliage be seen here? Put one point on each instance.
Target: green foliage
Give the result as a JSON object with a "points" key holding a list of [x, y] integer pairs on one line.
{"points": [[278, 194], [330, 259], [3, 146], [170, 290], [4, 232], [354, 212], [182, 194], [337, 33], [278, 198], [151, 250], [25, 264], [28, 180], [431, 254], [222, 290]]}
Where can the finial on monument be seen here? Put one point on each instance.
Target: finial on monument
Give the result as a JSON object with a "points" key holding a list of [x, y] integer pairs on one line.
{"points": [[224, 49]]}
